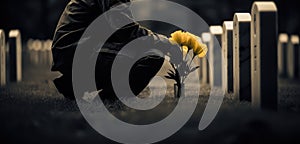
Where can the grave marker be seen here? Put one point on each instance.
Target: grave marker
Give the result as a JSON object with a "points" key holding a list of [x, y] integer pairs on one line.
{"points": [[43, 57], [29, 44], [264, 65], [48, 51], [198, 61], [215, 56], [205, 65], [227, 56], [282, 54], [2, 59], [241, 56], [37, 47], [293, 57], [15, 55]]}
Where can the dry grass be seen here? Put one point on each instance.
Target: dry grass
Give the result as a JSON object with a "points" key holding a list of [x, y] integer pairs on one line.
{"points": [[34, 112]]}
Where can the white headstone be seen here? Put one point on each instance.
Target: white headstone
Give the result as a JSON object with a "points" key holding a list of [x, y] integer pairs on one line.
{"points": [[293, 57], [241, 56], [282, 54], [29, 48], [215, 56], [264, 67], [2, 59], [37, 47], [48, 44], [227, 56], [205, 65], [198, 62], [15, 56], [43, 53], [29, 44]]}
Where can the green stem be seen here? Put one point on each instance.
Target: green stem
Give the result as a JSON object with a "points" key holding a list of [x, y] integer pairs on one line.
{"points": [[178, 90], [191, 60], [185, 59]]}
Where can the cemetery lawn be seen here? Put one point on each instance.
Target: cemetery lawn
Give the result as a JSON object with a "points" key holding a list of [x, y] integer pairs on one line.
{"points": [[34, 112]]}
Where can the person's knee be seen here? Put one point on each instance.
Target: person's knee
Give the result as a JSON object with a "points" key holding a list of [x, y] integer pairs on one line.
{"points": [[143, 71]]}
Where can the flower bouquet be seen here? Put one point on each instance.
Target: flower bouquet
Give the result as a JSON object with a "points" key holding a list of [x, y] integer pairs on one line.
{"points": [[191, 48]]}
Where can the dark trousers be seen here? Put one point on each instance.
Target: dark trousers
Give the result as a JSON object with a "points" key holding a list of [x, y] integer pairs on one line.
{"points": [[139, 77]]}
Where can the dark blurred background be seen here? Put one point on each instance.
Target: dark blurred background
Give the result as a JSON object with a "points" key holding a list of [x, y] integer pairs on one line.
{"points": [[38, 18]]}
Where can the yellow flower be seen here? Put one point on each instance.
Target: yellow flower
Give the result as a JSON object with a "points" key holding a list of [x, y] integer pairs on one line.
{"points": [[172, 41], [185, 49], [192, 42], [177, 37], [189, 41], [202, 50]]}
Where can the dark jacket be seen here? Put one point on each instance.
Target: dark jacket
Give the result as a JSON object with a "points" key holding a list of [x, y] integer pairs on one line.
{"points": [[77, 16]]}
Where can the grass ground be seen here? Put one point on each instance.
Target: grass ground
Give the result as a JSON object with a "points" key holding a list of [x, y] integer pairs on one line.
{"points": [[32, 111]]}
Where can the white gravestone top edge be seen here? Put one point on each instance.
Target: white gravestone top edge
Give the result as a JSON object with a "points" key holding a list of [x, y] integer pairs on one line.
{"points": [[295, 39], [37, 45], [283, 38], [14, 33], [265, 6], [49, 44], [242, 17], [206, 37], [228, 25], [216, 30]]}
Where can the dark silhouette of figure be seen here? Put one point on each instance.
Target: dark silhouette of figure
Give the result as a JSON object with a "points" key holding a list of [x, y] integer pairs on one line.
{"points": [[76, 17]]}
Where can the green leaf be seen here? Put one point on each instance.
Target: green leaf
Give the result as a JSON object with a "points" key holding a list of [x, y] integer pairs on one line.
{"points": [[169, 77], [193, 69]]}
